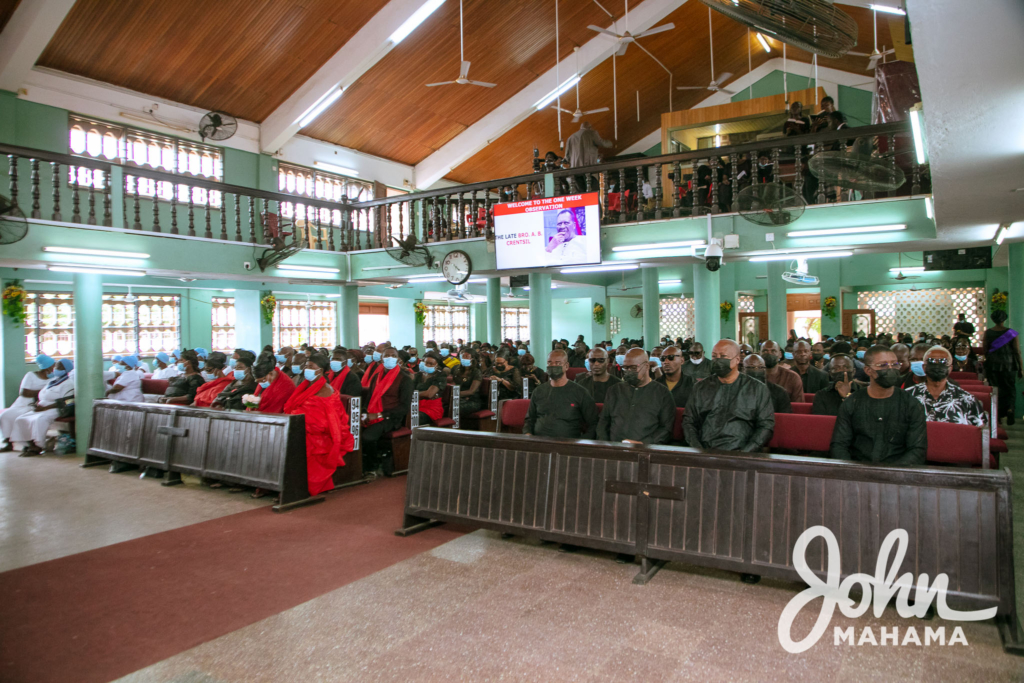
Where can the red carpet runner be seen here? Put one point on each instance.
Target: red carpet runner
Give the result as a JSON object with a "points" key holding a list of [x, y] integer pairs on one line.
{"points": [[105, 613]]}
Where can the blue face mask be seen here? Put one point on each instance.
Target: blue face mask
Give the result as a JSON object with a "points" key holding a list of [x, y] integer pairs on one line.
{"points": [[860, 354], [336, 365], [264, 385], [350, 362], [960, 358], [202, 364], [367, 359], [376, 355], [521, 352], [917, 367], [423, 366], [310, 375], [429, 369], [466, 362], [239, 375], [390, 363], [586, 364], [208, 376], [827, 356], [620, 358], [181, 367], [788, 355], [655, 361], [279, 358], [296, 369], [412, 359], [119, 369], [231, 362], [59, 373], [444, 353]]}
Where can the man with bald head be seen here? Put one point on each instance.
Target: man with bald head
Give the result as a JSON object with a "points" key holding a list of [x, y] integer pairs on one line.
{"points": [[637, 409], [784, 377], [729, 410], [678, 384], [813, 379], [698, 367], [561, 408], [944, 401], [753, 366], [598, 380], [827, 401]]}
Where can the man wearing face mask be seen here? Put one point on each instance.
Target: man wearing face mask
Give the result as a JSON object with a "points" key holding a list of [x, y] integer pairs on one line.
{"points": [[637, 409], [784, 377], [944, 401], [812, 379], [341, 376], [273, 387], [841, 385], [510, 383], [615, 368], [698, 367], [818, 356], [297, 364], [390, 394], [678, 384], [753, 366], [729, 410], [916, 374], [598, 380], [902, 352], [560, 408], [881, 424], [371, 366]]}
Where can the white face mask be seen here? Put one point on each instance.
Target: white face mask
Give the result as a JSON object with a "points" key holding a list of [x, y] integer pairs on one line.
{"points": [[696, 361]]}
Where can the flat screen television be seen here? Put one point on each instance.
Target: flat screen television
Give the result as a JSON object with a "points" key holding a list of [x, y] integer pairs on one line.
{"points": [[548, 232]]}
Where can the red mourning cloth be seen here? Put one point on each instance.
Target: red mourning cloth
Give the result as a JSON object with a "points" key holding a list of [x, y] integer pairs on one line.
{"points": [[432, 408], [380, 387], [371, 370], [206, 394], [327, 434], [273, 398], [338, 378]]}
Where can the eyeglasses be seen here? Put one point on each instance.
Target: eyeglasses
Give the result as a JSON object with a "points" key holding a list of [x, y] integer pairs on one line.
{"points": [[714, 357], [598, 360], [937, 361], [671, 356], [887, 366], [632, 368]]}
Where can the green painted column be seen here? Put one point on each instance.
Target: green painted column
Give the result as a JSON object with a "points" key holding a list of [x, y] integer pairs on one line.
{"points": [[707, 296], [12, 341], [197, 320], [727, 292], [478, 322], [540, 316], [348, 316], [1016, 302], [88, 297], [777, 331], [494, 310], [829, 274], [251, 332], [652, 306]]}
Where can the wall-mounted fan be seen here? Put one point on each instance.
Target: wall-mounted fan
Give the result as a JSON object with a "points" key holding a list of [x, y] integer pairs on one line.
{"points": [[411, 253], [13, 226], [770, 204], [799, 275], [216, 125], [637, 311]]}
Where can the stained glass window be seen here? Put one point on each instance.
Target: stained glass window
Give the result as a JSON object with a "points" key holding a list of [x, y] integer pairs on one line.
{"points": [[223, 314], [305, 322], [446, 323]]}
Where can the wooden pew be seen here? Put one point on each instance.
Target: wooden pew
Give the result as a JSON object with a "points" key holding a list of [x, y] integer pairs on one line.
{"points": [[733, 511], [485, 420], [352, 472]]}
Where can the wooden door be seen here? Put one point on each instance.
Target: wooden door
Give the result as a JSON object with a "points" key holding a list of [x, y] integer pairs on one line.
{"points": [[859, 322], [753, 328]]}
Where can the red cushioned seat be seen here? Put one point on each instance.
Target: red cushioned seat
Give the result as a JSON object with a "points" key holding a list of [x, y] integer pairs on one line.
{"points": [[975, 386], [444, 422], [480, 415], [572, 373], [963, 375], [808, 398], [155, 386], [1001, 433], [513, 414], [955, 444], [798, 432], [62, 419], [398, 433], [801, 408], [677, 426], [984, 399], [998, 446]]}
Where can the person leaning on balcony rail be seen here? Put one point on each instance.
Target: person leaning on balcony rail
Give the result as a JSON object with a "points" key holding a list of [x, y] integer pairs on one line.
{"points": [[30, 428], [182, 388], [881, 424], [31, 384], [944, 401], [128, 385]]}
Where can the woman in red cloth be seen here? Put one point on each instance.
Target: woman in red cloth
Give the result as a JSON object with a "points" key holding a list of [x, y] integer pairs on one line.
{"points": [[431, 383], [341, 376], [216, 381], [328, 438], [388, 406], [273, 387], [372, 366]]}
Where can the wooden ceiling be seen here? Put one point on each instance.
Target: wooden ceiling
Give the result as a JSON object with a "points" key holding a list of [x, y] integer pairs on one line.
{"points": [[7, 8], [685, 51], [244, 57], [389, 112]]}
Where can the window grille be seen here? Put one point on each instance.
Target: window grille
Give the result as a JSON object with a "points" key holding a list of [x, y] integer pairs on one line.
{"points": [[515, 324], [223, 314]]}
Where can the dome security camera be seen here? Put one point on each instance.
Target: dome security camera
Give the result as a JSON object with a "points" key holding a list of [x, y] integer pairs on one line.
{"points": [[713, 257]]}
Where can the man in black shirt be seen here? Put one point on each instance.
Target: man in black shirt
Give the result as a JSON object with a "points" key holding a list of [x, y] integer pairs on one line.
{"points": [[881, 424], [961, 326], [729, 410], [699, 367], [753, 366], [841, 384], [637, 409], [678, 384], [813, 379], [561, 408], [598, 380]]}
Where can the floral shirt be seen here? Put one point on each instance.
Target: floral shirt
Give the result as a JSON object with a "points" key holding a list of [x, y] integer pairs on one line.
{"points": [[954, 405]]}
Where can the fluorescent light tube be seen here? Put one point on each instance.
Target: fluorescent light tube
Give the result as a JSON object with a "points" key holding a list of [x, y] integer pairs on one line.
{"points": [[307, 269], [227, 290], [417, 18], [915, 126], [803, 255], [527, 288], [550, 97], [764, 43], [319, 106], [928, 208], [908, 269], [1000, 234], [670, 282], [331, 296], [887, 9], [432, 278], [600, 268], [663, 245], [95, 252], [846, 231], [658, 253], [99, 270]]}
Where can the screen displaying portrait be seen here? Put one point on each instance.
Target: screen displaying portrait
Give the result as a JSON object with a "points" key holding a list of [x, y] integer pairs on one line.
{"points": [[550, 231]]}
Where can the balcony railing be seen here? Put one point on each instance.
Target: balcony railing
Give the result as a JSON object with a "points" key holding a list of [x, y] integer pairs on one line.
{"points": [[694, 183]]}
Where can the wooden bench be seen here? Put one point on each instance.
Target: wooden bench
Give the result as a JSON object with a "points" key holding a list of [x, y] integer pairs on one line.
{"points": [[485, 420], [731, 511], [352, 472]]}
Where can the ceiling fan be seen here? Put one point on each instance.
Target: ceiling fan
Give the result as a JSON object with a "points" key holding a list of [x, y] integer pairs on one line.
{"points": [[578, 114], [899, 274], [875, 55], [625, 38], [464, 69], [716, 83]]}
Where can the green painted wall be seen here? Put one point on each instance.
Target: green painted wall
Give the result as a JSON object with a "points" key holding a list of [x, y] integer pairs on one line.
{"points": [[570, 318], [629, 327], [32, 125], [197, 319], [402, 327]]}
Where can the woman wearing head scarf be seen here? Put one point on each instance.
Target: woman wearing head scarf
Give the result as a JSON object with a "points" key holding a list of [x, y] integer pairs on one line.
{"points": [[31, 384], [165, 369], [273, 387], [216, 381], [128, 385], [182, 388], [30, 428], [242, 383]]}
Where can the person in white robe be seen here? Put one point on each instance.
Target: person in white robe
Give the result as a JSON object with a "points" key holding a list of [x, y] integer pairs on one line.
{"points": [[128, 385], [165, 369], [31, 384], [30, 429]]}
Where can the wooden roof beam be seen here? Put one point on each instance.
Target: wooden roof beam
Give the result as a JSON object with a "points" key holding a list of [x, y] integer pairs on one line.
{"points": [[26, 36]]}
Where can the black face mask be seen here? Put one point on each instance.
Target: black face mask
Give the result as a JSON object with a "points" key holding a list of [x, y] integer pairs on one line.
{"points": [[770, 360], [555, 371], [759, 375], [721, 367], [887, 378], [838, 377], [631, 377], [817, 356], [936, 372]]}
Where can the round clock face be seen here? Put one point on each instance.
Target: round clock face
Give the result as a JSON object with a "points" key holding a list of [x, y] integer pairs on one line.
{"points": [[456, 267]]}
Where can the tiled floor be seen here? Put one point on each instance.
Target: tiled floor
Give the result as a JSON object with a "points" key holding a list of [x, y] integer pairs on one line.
{"points": [[50, 507]]}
